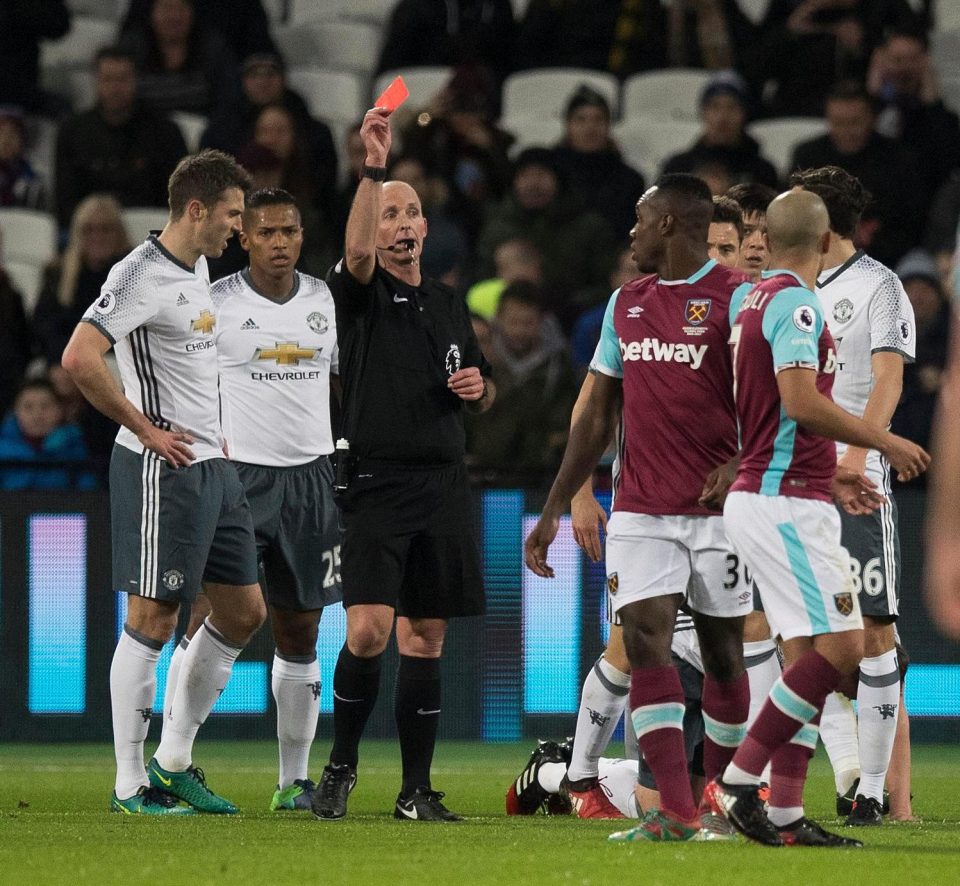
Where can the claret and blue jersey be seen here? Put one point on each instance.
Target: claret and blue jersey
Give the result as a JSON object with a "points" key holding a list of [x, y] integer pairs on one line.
{"points": [[776, 325]]}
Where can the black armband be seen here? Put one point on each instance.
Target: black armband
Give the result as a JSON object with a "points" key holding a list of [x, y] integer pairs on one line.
{"points": [[375, 173]]}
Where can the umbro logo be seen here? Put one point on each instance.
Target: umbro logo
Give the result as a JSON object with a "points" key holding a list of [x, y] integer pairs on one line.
{"points": [[182, 300], [634, 312], [248, 324]]}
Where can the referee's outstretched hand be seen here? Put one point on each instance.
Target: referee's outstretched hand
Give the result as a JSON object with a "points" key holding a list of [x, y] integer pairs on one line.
{"points": [[538, 543], [172, 446], [376, 136]]}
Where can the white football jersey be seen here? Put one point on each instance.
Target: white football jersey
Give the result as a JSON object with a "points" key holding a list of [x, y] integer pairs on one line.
{"points": [[158, 314], [867, 311], [275, 365]]}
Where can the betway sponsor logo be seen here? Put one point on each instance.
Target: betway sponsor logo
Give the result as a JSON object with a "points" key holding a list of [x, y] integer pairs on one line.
{"points": [[652, 349]]}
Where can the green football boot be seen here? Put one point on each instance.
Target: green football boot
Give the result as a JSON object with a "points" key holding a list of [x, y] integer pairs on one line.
{"points": [[149, 801], [191, 787], [299, 795]]}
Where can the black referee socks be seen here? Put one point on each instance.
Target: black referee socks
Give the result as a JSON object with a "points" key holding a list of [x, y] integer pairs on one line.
{"points": [[356, 683], [416, 707]]}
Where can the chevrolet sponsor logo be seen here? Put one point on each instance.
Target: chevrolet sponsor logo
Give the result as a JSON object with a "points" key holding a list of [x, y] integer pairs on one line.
{"points": [[204, 323], [286, 353]]}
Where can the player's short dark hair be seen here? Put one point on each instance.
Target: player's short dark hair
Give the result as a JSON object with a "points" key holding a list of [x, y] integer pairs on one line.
{"points": [[726, 210], [114, 54], [523, 292], [689, 198], [752, 197], [204, 177], [843, 194], [270, 197]]}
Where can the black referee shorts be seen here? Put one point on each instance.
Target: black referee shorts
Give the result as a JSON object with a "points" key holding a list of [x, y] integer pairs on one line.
{"points": [[409, 541]]}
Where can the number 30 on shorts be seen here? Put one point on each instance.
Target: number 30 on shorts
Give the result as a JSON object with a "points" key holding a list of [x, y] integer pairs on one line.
{"points": [[869, 578], [736, 572], [331, 560]]}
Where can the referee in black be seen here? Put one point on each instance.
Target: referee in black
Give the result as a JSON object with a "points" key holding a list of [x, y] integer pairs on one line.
{"points": [[409, 363]]}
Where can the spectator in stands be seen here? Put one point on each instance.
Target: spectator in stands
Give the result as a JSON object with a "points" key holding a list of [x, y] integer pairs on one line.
{"points": [[894, 222], [586, 329], [941, 236], [921, 379], [356, 154], [708, 34], [99, 432], [724, 141], [592, 164], [903, 82], [16, 340], [242, 24], [621, 37], [456, 135], [23, 24], [118, 147], [472, 32], [19, 183], [578, 246], [513, 260], [72, 282], [524, 436], [805, 46], [276, 130], [180, 65], [264, 83], [36, 448]]}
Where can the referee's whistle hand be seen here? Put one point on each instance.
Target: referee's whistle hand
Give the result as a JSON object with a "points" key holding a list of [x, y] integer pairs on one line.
{"points": [[466, 383]]}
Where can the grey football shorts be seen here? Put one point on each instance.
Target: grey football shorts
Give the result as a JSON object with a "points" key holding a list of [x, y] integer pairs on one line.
{"points": [[873, 542], [173, 528], [297, 532]]}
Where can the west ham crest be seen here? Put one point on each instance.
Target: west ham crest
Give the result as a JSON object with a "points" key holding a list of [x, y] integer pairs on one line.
{"points": [[844, 603], [697, 311]]}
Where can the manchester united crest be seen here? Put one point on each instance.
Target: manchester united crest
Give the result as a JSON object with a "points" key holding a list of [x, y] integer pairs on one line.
{"points": [[843, 602], [697, 310], [612, 584]]}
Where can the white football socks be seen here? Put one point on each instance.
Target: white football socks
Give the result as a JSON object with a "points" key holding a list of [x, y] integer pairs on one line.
{"points": [[173, 674], [296, 690], [602, 702], [133, 685], [878, 703], [204, 673], [838, 731], [763, 670]]}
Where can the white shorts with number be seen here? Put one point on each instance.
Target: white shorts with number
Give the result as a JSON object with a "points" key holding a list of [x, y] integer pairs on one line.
{"points": [[655, 556], [802, 572]]}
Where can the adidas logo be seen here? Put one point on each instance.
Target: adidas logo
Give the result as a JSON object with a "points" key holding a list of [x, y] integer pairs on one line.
{"points": [[182, 300], [248, 324]]}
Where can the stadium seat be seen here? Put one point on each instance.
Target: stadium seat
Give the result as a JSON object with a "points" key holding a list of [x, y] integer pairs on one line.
{"points": [[945, 52], [77, 49], [106, 10], [347, 45], [545, 91], [646, 142], [779, 136], [141, 220], [754, 9], [26, 277], [950, 93], [424, 83], [947, 15], [191, 127], [82, 84], [532, 131], [28, 235], [276, 10], [333, 96], [673, 94]]}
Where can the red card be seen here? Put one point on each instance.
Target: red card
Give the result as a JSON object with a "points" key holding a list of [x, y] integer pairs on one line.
{"points": [[393, 96]]}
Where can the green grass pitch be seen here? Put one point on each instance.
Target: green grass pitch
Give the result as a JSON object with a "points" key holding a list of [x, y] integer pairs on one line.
{"points": [[55, 828]]}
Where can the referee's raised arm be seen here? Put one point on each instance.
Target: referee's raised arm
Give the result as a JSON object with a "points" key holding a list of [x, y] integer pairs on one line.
{"points": [[361, 233]]}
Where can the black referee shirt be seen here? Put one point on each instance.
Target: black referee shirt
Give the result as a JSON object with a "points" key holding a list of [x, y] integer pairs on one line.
{"points": [[400, 409]]}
